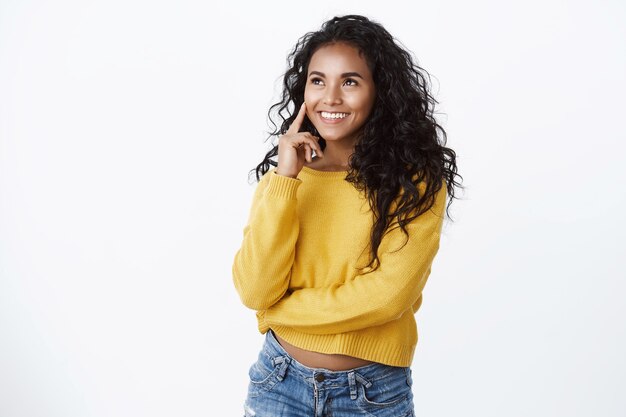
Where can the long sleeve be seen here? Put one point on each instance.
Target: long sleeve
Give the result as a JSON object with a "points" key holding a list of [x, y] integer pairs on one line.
{"points": [[372, 298], [262, 266]]}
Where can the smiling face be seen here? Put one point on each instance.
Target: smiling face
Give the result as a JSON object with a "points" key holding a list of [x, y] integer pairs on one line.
{"points": [[339, 92]]}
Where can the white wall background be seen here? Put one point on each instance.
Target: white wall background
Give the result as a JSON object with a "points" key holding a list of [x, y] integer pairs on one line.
{"points": [[127, 129]]}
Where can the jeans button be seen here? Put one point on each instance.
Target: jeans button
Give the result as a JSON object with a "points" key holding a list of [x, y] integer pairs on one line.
{"points": [[320, 377]]}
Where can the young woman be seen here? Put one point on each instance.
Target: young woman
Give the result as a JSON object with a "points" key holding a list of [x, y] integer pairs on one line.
{"points": [[344, 228]]}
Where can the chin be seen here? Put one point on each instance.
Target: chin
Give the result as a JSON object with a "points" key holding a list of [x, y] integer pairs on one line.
{"points": [[332, 137], [332, 134]]}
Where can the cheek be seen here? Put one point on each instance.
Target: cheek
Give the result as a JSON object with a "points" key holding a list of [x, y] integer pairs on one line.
{"points": [[368, 102], [309, 96], [362, 103]]}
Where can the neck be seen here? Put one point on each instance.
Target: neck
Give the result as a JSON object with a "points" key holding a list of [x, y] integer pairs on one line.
{"points": [[337, 154]]}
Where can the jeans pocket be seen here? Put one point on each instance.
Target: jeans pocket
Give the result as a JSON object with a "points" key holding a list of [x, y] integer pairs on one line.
{"points": [[264, 374], [387, 396], [377, 397]]}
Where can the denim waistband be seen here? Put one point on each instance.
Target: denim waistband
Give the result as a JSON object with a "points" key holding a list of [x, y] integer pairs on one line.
{"points": [[366, 374]]}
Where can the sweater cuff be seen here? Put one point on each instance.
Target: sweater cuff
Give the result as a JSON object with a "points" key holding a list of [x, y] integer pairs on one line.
{"points": [[282, 186]]}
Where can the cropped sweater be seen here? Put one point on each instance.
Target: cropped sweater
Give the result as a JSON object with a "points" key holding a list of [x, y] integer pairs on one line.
{"points": [[297, 266]]}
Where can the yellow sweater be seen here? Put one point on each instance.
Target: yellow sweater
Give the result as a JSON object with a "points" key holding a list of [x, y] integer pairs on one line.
{"points": [[304, 238]]}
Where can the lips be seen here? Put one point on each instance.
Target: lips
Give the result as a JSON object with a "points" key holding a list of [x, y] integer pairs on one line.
{"points": [[333, 120]]}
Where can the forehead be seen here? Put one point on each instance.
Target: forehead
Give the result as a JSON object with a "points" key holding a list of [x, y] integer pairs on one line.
{"points": [[338, 58]]}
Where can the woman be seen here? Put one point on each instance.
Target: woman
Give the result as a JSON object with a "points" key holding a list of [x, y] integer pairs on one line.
{"points": [[343, 230]]}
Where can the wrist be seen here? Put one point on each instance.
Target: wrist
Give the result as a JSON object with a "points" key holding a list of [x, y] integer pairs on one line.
{"points": [[284, 175]]}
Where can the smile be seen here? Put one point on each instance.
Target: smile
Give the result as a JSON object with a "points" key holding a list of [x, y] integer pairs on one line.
{"points": [[329, 117]]}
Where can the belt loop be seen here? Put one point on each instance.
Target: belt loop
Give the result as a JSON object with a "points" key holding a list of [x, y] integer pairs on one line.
{"points": [[363, 381], [409, 376], [352, 382], [283, 361], [352, 378]]}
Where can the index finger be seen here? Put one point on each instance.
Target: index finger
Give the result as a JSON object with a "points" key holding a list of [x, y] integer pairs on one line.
{"points": [[295, 125]]}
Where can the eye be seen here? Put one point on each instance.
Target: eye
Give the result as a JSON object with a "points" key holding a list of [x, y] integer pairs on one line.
{"points": [[314, 80], [352, 80]]}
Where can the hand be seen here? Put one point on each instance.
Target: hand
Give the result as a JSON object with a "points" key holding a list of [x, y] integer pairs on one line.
{"points": [[294, 147]]}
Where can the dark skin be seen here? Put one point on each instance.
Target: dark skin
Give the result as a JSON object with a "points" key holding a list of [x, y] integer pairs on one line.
{"points": [[333, 362], [338, 98]]}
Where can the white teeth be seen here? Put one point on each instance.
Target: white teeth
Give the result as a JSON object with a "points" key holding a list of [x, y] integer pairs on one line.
{"points": [[327, 115]]}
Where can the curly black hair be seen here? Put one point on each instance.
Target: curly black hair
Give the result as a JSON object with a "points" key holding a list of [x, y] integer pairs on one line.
{"points": [[399, 146]]}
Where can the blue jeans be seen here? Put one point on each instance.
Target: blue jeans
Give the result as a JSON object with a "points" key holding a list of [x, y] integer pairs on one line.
{"points": [[280, 386]]}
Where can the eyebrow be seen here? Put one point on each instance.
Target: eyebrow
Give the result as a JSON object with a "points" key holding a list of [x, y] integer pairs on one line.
{"points": [[344, 75]]}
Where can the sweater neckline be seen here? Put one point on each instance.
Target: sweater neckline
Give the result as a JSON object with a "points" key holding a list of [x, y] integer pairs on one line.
{"points": [[324, 174]]}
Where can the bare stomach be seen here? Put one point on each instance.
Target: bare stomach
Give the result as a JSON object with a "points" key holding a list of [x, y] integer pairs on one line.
{"points": [[333, 362]]}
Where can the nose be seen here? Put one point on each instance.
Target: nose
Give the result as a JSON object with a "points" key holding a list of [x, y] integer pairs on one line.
{"points": [[332, 96]]}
